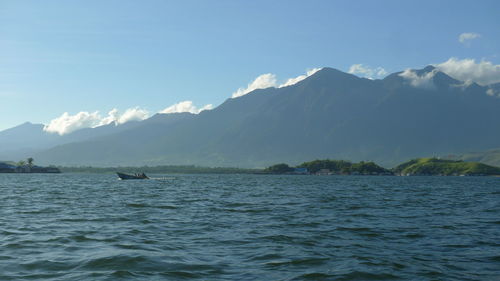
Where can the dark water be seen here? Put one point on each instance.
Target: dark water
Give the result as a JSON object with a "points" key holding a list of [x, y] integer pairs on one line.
{"points": [[249, 227]]}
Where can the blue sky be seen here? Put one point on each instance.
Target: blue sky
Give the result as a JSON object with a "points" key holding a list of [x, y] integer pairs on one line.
{"points": [[74, 56]]}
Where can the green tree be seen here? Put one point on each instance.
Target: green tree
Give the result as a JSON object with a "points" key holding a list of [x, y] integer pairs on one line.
{"points": [[30, 162], [368, 168], [336, 166], [21, 163], [279, 169]]}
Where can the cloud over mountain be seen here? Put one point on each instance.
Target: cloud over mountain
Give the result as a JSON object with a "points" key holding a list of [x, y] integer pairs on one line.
{"points": [[131, 114], [467, 70], [493, 93], [261, 82], [367, 72], [186, 106], [483, 72], [419, 81], [295, 80], [67, 123], [269, 80], [332, 114]]}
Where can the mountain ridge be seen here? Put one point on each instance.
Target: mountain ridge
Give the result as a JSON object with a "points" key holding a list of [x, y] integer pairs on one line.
{"points": [[329, 114]]}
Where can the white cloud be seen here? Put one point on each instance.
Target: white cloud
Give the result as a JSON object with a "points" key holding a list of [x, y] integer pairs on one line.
{"points": [[112, 117], [186, 106], [67, 123], [483, 73], [493, 93], [419, 81], [366, 71], [463, 85], [263, 81], [299, 78], [269, 80], [465, 37], [132, 114]]}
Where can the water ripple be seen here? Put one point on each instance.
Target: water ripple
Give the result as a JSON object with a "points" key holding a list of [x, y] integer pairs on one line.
{"points": [[249, 227]]}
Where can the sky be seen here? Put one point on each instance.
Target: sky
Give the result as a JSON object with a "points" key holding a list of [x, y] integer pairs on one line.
{"points": [[97, 61]]}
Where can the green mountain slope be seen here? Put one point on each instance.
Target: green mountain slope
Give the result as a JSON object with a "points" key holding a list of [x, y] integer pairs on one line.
{"points": [[434, 166]]}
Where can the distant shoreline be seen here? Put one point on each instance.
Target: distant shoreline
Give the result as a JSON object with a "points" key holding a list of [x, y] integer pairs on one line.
{"points": [[415, 167], [164, 169]]}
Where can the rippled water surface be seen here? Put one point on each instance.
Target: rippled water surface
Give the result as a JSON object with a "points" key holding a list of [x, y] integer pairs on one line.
{"points": [[249, 227]]}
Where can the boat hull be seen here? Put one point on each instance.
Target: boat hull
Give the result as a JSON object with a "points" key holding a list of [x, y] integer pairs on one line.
{"points": [[123, 176]]}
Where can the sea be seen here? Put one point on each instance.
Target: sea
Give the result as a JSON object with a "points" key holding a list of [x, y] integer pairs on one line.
{"points": [[248, 227]]}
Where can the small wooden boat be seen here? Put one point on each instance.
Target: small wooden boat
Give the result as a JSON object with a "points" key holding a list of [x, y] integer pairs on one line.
{"points": [[140, 176]]}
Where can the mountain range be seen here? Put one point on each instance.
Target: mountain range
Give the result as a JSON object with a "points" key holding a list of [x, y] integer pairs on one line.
{"points": [[330, 114]]}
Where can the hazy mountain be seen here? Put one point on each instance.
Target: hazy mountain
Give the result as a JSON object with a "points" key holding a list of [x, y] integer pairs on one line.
{"points": [[21, 141], [330, 114], [118, 148], [490, 157], [26, 139], [25, 135]]}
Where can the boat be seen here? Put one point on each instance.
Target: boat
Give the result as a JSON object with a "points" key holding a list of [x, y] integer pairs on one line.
{"points": [[141, 176]]}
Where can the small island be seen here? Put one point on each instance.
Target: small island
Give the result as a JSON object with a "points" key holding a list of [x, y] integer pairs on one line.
{"points": [[26, 167], [415, 167], [330, 167]]}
